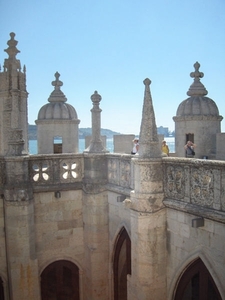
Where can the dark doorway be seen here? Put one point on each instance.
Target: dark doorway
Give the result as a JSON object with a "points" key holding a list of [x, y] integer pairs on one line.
{"points": [[197, 284], [122, 265], [60, 281], [1, 290]]}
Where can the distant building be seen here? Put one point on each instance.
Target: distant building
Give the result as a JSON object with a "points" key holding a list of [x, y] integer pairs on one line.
{"points": [[163, 130]]}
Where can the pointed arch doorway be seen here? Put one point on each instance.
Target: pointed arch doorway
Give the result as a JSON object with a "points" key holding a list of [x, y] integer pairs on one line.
{"points": [[197, 284], [60, 281], [121, 265]]}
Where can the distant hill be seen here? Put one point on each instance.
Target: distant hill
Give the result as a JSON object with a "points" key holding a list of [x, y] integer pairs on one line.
{"points": [[83, 132]]}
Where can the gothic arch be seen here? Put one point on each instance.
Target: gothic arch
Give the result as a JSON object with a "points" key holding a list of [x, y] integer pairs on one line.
{"points": [[60, 280], [121, 265], [197, 283]]}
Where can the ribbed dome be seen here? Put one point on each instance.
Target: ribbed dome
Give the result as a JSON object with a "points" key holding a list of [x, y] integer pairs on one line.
{"points": [[197, 103], [57, 108]]}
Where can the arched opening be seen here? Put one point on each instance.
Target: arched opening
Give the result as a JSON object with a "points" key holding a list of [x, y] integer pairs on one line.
{"points": [[57, 146], [1, 290], [197, 284], [122, 265], [60, 281]]}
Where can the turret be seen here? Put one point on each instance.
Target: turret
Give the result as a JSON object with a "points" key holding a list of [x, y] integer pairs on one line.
{"points": [[13, 104], [57, 123], [197, 119]]}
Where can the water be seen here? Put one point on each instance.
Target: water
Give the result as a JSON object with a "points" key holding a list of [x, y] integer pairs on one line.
{"points": [[109, 145], [33, 146]]}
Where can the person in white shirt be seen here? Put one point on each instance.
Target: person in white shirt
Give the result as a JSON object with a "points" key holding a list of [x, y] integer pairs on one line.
{"points": [[136, 146]]}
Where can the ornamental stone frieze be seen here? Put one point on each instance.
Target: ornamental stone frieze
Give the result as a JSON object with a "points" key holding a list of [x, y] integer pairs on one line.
{"points": [[195, 181], [119, 171], [202, 186], [125, 173], [174, 182]]}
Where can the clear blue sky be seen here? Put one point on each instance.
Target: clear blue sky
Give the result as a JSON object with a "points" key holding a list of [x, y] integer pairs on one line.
{"points": [[111, 46]]}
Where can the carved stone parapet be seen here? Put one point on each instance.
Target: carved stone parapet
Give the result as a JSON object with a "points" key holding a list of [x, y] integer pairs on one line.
{"points": [[119, 171], [196, 181], [174, 181], [55, 169]]}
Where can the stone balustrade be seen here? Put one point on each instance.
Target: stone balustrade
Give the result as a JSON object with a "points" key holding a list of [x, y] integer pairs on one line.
{"points": [[61, 171]]}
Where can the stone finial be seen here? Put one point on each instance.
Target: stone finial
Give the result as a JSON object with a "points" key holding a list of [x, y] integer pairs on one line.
{"points": [[149, 142], [197, 88], [11, 63], [96, 98], [12, 50], [57, 95]]}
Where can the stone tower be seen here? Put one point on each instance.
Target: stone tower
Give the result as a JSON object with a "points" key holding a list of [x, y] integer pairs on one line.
{"points": [[57, 124], [13, 104], [197, 119]]}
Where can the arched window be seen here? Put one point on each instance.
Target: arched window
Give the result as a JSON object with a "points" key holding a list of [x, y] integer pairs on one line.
{"points": [[1, 290], [122, 265], [60, 281], [197, 284]]}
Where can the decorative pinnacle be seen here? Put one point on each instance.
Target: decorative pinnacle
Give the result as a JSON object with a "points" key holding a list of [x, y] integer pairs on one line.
{"points": [[57, 83], [12, 50], [57, 95], [197, 88], [147, 82], [197, 75], [96, 98]]}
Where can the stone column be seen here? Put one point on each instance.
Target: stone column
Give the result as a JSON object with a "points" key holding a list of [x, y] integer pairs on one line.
{"points": [[96, 145], [20, 232], [96, 232], [148, 232]]}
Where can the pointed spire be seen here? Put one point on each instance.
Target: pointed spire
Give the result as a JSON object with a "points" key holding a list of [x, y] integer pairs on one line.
{"points": [[197, 88], [149, 142], [57, 95]]}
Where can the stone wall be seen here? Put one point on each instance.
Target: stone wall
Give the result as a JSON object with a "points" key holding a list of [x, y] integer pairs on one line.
{"points": [[185, 244]]}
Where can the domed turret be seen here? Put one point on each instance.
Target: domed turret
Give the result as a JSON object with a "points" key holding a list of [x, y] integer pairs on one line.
{"points": [[57, 108], [197, 119], [197, 104], [57, 120]]}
